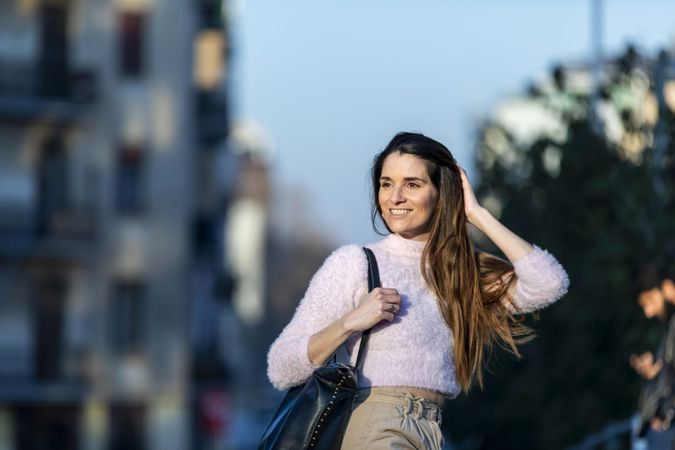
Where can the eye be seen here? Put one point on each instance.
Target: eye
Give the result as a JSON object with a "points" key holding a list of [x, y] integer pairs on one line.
{"points": [[413, 185], [385, 184]]}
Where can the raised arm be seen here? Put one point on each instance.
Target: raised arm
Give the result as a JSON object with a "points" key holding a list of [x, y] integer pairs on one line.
{"points": [[508, 242], [541, 280]]}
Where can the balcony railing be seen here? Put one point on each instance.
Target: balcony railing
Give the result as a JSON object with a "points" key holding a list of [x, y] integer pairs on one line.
{"points": [[28, 92], [614, 435], [65, 235]]}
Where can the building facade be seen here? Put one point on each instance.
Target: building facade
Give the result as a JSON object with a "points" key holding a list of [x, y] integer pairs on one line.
{"points": [[111, 113]]}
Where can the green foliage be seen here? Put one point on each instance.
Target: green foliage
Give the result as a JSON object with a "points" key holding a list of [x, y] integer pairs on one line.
{"points": [[603, 216]]}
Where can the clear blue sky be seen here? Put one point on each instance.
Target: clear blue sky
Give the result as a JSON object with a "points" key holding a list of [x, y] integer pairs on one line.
{"points": [[331, 81]]}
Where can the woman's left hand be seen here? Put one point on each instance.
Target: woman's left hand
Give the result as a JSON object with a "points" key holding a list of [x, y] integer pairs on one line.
{"points": [[471, 206], [508, 242]]}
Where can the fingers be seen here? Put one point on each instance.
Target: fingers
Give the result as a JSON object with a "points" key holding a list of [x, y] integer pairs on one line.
{"points": [[390, 308], [385, 300], [462, 174], [388, 311], [380, 304], [385, 291], [387, 294], [389, 317], [388, 303]]}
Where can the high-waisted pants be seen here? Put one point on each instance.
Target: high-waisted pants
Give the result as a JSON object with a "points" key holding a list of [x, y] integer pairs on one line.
{"points": [[392, 418]]}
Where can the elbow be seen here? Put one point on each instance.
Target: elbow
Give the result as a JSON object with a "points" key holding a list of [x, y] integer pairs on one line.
{"points": [[274, 376], [276, 373], [559, 285], [277, 379], [541, 278], [287, 364], [553, 289], [531, 297]]}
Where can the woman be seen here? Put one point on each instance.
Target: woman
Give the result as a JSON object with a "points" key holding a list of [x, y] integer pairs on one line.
{"points": [[441, 305]]}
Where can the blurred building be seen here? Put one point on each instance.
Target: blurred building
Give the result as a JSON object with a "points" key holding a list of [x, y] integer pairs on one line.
{"points": [[112, 114]]}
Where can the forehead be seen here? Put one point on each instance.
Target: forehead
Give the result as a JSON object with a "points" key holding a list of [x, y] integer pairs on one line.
{"points": [[404, 165]]}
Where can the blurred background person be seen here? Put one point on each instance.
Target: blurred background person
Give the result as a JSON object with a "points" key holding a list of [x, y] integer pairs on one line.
{"points": [[657, 400]]}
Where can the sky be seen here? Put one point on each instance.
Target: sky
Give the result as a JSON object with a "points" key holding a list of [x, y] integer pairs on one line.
{"points": [[330, 82]]}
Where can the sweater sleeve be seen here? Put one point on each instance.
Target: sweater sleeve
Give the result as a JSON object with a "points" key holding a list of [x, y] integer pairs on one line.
{"points": [[330, 295], [541, 280]]}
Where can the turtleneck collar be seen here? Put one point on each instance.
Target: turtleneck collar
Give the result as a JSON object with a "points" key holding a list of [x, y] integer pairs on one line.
{"points": [[401, 246]]}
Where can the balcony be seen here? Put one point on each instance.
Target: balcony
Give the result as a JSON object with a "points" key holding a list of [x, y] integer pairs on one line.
{"points": [[66, 236], [29, 93]]}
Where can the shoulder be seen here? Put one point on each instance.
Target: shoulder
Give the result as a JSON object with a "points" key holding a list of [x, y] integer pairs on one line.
{"points": [[344, 272], [349, 251], [348, 258]]}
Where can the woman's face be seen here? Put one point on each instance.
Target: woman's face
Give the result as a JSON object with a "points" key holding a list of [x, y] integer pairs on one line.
{"points": [[407, 196]]}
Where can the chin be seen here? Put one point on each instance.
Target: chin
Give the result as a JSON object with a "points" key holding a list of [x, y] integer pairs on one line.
{"points": [[398, 229], [406, 233]]}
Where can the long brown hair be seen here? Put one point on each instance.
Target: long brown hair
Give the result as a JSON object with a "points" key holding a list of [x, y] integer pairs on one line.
{"points": [[472, 288]]}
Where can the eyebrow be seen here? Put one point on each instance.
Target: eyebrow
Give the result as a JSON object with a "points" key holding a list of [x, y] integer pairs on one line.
{"points": [[406, 179]]}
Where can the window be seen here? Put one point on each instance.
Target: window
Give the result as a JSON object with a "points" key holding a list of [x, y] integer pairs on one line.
{"points": [[131, 54], [129, 180], [52, 182], [48, 316], [127, 317], [54, 70], [211, 14]]}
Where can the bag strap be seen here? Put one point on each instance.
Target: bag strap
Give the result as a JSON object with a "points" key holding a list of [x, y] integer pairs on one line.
{"points": [[373, 282]]}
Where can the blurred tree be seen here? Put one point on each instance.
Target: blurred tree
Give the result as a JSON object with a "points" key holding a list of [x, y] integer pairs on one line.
{"points": [[593, 200]]}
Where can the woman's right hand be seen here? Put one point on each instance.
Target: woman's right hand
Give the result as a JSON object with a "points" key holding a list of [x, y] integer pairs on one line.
{"points": [[378, 305]]}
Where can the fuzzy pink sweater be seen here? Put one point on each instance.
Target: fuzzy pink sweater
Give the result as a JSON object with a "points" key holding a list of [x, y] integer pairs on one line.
{"points": [[415, 349]]}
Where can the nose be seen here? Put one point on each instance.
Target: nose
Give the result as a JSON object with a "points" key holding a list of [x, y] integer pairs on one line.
{"points": [[397, 196]]}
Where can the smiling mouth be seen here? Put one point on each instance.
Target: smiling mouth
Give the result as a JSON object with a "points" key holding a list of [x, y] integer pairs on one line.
{"points": [[400, 212]]}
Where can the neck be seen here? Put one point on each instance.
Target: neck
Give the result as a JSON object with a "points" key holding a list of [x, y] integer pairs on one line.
{"points": [[399, 245]]}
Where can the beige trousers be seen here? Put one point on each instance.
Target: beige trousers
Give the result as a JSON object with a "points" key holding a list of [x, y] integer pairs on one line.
{"points": [[392, 418]]}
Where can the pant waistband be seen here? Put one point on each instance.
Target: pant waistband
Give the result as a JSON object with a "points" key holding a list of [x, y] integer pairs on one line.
{"points": [[417, 406]]}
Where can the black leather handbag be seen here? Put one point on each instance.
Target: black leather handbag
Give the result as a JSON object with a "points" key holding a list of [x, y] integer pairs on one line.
{"points": [[314, 415]]}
